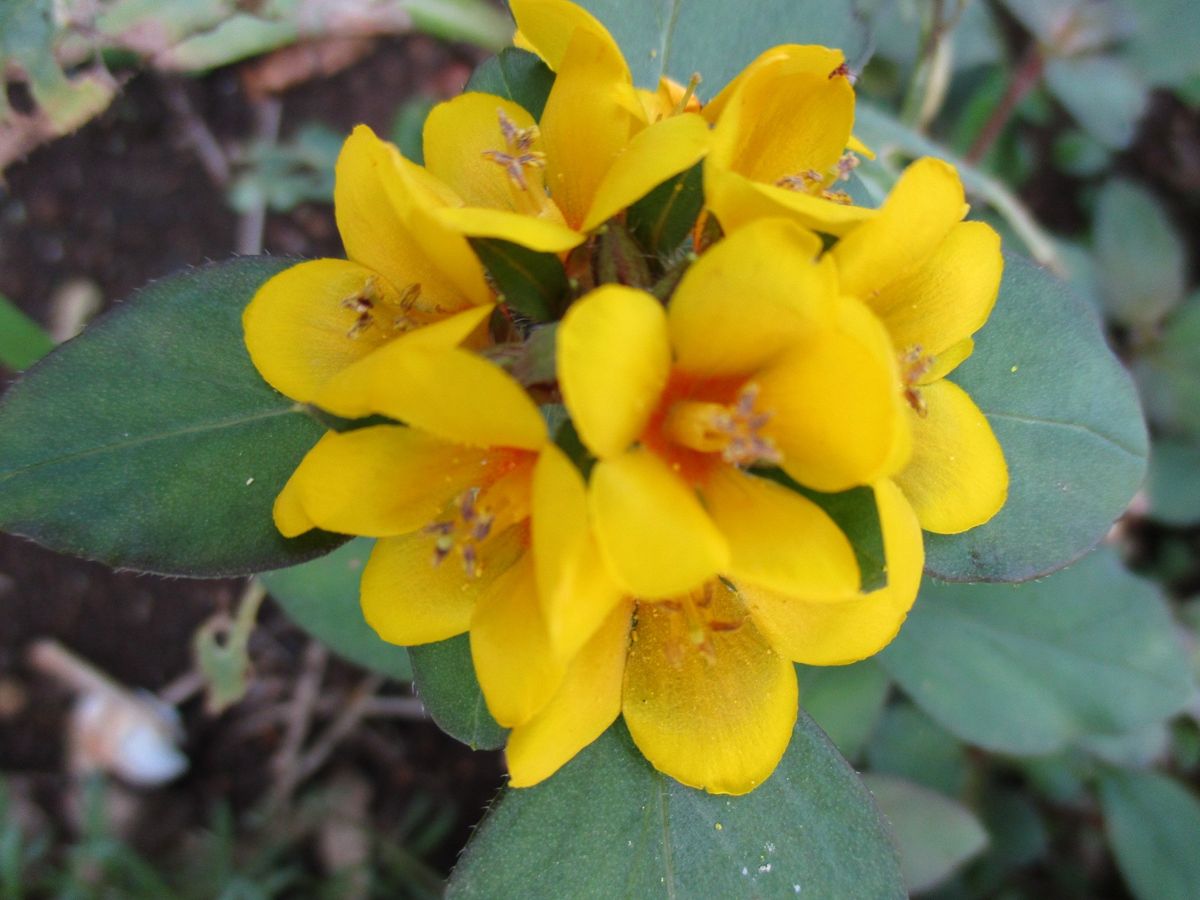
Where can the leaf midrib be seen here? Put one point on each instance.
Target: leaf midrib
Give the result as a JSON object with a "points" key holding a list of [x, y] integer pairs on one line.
{"points": [[1070, 426], [144, 440]]}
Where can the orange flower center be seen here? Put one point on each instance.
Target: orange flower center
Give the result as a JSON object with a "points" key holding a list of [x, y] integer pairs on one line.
{"points": [[700, 424], [373, 309], [482, 511], [693, 623]]}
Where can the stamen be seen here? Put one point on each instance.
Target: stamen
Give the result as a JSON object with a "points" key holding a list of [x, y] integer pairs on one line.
{"points": [[688, 93], [517, 155], [915, 365], [846, 165], [693, 625], [735, 431], [479, 513]]}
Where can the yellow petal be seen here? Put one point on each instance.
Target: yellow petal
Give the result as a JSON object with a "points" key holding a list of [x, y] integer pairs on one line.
{"points": [[836, 408], [448, 392], [518, 672], [348, 392], [750, 297], [950, 297], [655, 154], [576, 590], [922, 208], [736, 201], [590, 116], [778, 538], [957, 477], [811, 58], [379, 481], [587, 702], [947, 361], [786, 117], [547, 26], [821, 633], [290, 517], [719, 722], [408, 599], [300, 325], [614, 358], [458, 136], [541, 235], [655, 535], [379, 204]]}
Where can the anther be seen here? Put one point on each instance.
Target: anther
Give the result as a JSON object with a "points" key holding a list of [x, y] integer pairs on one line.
{"points": [[517, 155]]}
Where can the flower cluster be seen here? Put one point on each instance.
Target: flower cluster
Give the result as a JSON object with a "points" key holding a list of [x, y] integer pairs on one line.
{"points": [[639, 535]]}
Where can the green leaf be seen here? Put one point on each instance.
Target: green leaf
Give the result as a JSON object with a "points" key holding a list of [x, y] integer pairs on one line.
{"points": [[936, 835], [1174, 483], [1141, 259], [910, 745], [22, 340], [515, 75], [1104, 96], [321, 597], [717, 39], [857, 515], [408, 126], [1153, 827], [1067, 416], [662, 220], [845, 701], [534, 284], [1168, 373], [151, 442], [1159, 46], [1028, 669], [444, 679], [609, 825]]}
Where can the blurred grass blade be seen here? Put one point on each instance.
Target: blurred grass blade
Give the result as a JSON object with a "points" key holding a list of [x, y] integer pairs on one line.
{"points": [[22, 341]]}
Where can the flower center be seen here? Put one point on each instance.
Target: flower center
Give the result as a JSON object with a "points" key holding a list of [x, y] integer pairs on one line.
{"points": [[373, 308], [518, 158], [693, 623], [473, 518], [915, 364], [820, 184], [735, 430]]}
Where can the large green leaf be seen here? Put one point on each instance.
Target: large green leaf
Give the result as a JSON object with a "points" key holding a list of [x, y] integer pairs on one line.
{"points": [[1153, 825], [936, 834], [1067, 415], [1028, 669], [609, 825], [150, 442], [321, 597], [444, 678], [717, 39]]}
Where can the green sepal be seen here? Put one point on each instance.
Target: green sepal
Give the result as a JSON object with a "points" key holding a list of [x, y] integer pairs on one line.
{"points": [[662, 220], [531, 283], [515, 75]]}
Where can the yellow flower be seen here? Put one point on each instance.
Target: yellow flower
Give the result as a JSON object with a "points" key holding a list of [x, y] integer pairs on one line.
{"points": [[933, 279], [544, 185], [408, 275], [756, 362], [705, 680], [780, 142], [452, 498]]}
